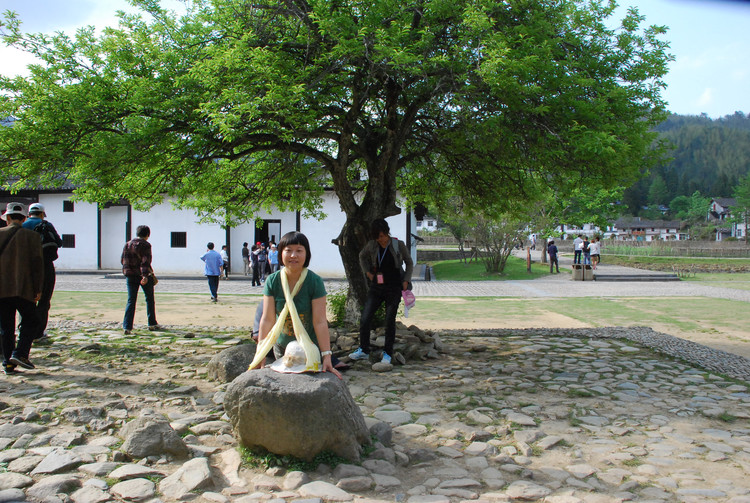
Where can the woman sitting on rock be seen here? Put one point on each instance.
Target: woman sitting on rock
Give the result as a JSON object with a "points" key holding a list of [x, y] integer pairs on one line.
{"points": [[303, 319]]}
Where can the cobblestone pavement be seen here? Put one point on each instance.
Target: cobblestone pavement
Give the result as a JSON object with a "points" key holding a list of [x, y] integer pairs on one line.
{"points": [[498, 417]]}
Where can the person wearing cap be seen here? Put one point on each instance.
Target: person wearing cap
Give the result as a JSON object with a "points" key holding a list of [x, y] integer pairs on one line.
{"points": [[136, 266], [50, 243], [212, 270], [294, 310], [22, 273]]}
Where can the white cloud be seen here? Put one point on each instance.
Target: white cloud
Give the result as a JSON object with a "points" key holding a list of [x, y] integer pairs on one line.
{"points": [[707, 98]]}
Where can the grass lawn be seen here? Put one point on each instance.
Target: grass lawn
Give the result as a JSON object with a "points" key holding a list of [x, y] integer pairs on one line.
{"points": [[515, 269], [667, 262]]}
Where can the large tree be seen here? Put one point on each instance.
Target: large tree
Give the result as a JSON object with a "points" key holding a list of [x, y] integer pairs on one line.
{"points": [[240, 105]]}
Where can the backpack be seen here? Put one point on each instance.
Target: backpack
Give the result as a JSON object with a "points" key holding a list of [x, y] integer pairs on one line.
{"points": [[50, 240]]}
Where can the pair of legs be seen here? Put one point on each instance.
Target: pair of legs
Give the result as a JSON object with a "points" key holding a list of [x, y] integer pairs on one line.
{"points": [[245, 265], [553, 263], [586, 259], [375, 297], [213, 287], [26, 329], [42, 307], [577, 256], [134, 282], [256, 275]]}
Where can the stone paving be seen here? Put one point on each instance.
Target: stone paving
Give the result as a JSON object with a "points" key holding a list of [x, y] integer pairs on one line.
{"points": [[557, 416]]}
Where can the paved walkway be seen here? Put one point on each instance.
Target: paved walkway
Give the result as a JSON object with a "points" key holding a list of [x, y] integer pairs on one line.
{"points": [[551, 286]]}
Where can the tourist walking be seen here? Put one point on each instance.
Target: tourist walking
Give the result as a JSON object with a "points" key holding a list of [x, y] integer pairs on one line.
{"points": [[294, 309], [51, 241], [273, 258], [245, 259], [552, 252], [256, 267], [136, 266], [381, 261], [595, 252], [22, 273], [225, 261], [585, 247], [577, 249], [212, 270]]}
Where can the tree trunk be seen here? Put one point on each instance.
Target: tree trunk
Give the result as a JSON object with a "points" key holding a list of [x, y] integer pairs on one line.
{"points": [[350, 241]]}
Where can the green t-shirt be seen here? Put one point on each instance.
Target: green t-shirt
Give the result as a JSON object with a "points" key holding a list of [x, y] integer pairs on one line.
{"points": [[312, 288]]}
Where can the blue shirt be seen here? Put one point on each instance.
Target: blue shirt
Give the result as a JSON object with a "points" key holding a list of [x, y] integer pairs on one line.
{"points": [[214, 263], [31, 222]]}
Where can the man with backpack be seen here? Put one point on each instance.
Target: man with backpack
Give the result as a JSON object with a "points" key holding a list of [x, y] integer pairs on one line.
{"points": [[50, 243]]}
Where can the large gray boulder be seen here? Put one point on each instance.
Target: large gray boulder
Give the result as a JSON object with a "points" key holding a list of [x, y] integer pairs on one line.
{"points": [[231, 362], [295, 414], [151, 435]]}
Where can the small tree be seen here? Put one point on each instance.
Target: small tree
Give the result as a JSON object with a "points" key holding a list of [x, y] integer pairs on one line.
{"points": [[496, 237]]}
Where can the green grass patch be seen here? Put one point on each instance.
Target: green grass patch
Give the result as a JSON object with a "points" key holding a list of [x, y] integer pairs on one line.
{"points": [[515, 269], [266, 460]]}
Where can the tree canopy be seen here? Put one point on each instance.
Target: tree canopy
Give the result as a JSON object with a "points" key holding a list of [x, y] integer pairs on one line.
{"points": [[240, 105]]}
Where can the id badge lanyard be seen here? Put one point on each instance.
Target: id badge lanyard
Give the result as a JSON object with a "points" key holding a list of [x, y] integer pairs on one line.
{"points": [[379, 276]]}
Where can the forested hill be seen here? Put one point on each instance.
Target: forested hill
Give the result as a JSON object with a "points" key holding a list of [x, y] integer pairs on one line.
{"points": [[708, 156]]}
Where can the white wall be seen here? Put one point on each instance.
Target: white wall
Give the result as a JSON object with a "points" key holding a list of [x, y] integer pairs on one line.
{"points": [[163, 219], [81, 222]]}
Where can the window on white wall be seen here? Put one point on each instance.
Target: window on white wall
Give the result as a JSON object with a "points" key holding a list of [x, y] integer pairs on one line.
{"points": [[68, 207], [179, 240], [68, 240]]}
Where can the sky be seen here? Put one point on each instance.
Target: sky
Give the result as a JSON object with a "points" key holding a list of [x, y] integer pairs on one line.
{"points": [[710, 40]]}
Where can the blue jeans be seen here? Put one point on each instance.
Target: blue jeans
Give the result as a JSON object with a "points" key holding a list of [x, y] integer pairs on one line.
{"points": [[586, 258], [577, 256], [26, 329], [213, 286], [148, 291], [377, 295]]}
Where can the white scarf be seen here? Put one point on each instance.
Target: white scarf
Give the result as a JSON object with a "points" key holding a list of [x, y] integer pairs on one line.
{"points": [[311, 350]]}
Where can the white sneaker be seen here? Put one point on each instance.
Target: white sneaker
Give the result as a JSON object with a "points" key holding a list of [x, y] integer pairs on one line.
{"points": [[359, 355], [386, 358]]}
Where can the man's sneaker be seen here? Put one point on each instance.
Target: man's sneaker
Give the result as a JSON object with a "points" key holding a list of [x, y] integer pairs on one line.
{"points": [[359, 355], [154, 328], [127, 332], [21, 362], [9, 369], [386, 358]]}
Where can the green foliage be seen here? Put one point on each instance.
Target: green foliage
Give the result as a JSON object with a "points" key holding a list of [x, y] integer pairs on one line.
{"points": [[265, 459], [710, 156], [233, 108], [336, 301]]}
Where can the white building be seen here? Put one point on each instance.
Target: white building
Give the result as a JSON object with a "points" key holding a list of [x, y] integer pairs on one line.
{"points": [[93, 236]]}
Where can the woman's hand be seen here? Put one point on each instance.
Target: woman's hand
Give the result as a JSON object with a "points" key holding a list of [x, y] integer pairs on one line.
{"points": [[328, 366]]}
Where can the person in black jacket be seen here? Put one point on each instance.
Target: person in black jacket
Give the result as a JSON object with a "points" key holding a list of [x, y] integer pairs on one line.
{"points": [[381, 260], [50, 243], [552, 252]]}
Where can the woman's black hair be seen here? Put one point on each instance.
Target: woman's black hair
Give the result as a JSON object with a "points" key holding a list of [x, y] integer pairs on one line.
{"points": [[294, 238], [377, 226]]}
